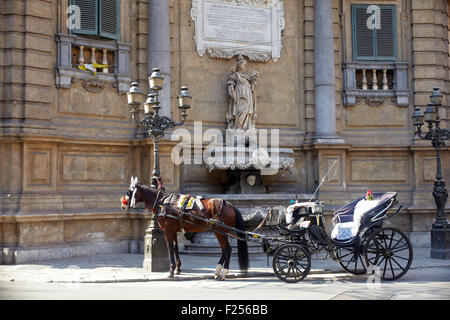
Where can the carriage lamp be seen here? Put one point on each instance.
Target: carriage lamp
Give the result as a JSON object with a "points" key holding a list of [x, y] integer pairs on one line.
{"points": [[440, 232]]}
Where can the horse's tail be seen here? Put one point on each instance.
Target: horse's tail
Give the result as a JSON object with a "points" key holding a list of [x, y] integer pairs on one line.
{"points": [[241, 244]]}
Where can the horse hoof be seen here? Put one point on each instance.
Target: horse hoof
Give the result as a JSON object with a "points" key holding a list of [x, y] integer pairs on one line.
{"points": [[178, 272], [170, 275]]}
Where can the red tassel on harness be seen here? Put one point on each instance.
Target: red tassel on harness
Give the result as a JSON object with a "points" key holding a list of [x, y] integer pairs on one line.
{"points": [[123, 200]]}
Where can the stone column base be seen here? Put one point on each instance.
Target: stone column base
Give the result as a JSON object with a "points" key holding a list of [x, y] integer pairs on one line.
{"points": [[440, 243], [156, 257]]}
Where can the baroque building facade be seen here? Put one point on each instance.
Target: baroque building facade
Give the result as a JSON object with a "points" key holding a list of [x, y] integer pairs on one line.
{"points": [[337, 92]]}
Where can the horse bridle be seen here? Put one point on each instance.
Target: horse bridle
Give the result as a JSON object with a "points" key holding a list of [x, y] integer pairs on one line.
{"points": [[131, 198]]}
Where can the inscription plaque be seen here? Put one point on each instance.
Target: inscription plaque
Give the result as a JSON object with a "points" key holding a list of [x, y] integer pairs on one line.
{"points": [[225, 28]]}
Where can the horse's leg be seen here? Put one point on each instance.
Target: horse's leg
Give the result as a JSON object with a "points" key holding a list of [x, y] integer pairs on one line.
{"points": [[219, 266], [177, 257], [170, 249], [225, 259]]}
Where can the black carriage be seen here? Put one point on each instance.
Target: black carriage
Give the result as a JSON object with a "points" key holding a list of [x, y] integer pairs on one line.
{"points": [[358, 242]]}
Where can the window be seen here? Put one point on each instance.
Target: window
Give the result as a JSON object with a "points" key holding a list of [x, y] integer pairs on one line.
{"points": [[99, 17], [373, 39]]}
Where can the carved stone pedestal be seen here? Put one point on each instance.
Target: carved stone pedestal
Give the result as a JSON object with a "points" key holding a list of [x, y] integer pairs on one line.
{"points": [[156, 258]]}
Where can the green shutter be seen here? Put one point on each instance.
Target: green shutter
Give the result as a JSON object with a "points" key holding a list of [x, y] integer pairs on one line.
{"points": [[109, 15], [363, 40], [385, 36], [88, 16], [373, 44]]}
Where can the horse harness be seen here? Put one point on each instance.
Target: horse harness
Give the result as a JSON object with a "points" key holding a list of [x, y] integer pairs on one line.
{"points": [[182, 213]]}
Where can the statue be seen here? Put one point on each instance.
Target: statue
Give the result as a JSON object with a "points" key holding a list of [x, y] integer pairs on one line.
{"points": [[242, 97]]}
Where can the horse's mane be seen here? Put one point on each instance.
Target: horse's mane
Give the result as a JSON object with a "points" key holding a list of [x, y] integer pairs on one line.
{"points": [[149, 189]]}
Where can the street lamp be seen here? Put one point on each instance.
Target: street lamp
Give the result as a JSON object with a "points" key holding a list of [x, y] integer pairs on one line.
{"points": [[154, 124], [155, 251], [440, 232]]}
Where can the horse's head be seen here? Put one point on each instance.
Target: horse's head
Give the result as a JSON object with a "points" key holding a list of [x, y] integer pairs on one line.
{"points": [[133, 196]]}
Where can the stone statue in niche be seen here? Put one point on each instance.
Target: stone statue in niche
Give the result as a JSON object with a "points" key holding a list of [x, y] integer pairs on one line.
{"points": [[242, 97]]}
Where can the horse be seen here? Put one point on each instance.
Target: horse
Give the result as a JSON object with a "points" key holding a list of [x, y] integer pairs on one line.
{"points": [[214, 208]]}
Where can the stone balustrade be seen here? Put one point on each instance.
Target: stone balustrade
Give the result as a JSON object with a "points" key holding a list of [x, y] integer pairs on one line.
{"points": [[75, 50], [92, 55], [377, 80]]}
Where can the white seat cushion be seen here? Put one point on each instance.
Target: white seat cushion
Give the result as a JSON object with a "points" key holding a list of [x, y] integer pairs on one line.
{"points": [[347, 230]]}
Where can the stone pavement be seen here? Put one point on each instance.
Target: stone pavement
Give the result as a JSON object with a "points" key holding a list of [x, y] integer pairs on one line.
{"points": [[128, 268]]}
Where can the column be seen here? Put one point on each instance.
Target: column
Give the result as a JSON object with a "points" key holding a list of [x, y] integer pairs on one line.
{"points": [[158, 48], [324, 86], [156, 258]]}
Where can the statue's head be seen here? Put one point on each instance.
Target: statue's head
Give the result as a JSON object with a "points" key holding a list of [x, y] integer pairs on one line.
{"points": [[241, 63]]}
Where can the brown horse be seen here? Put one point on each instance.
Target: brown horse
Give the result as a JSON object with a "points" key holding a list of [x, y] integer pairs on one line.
{"points": [[213, 208]]}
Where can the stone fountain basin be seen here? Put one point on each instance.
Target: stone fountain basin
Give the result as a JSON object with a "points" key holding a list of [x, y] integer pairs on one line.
{"points": [[245, 158]]}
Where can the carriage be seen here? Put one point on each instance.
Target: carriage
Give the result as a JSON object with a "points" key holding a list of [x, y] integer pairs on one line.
{"points": [[358, 242]]}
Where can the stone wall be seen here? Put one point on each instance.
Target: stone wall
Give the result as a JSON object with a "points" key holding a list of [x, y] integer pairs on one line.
{"points": [[68, 148]]}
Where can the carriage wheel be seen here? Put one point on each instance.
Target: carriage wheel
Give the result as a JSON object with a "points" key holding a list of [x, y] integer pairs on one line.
{"points": [[291, 263], [351, 260], [390, 250]]}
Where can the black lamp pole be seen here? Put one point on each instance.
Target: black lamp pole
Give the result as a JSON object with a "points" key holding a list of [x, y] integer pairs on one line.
{"points": [[440, 232]]}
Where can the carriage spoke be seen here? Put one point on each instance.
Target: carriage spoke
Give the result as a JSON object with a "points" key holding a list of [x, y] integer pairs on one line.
{"points": [[362, 262], [396, 244], [403, 258], [379, 263], [385, 266], [392, 238], [356, 263], [384, 238], [346, 255], [392, 268], [405, 247], [403, 269]]}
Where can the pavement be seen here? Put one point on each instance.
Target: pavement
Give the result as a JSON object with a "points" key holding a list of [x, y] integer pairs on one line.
{"points": [[127, 267]]}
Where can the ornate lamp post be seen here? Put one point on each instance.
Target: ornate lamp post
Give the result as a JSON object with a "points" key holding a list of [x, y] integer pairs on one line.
{"points": [[440, 232], [155, 252]]}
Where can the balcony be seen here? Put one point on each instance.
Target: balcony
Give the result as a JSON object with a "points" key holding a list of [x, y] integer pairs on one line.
{"points": [[375, 82], [74, 50]]}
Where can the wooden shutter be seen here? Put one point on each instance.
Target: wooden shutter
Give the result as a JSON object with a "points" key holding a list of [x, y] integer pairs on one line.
{"points": [[385, 36], [88, 16], [373, 44], [109, 19], [363, 37]]}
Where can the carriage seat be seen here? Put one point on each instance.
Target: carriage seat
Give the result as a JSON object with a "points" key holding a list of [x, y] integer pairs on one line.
{"points": [[349, 229]]}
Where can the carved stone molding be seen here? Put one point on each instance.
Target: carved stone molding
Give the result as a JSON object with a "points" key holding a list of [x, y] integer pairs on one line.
{"points": [[376, 101], [94, 86], [225, 28]]}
